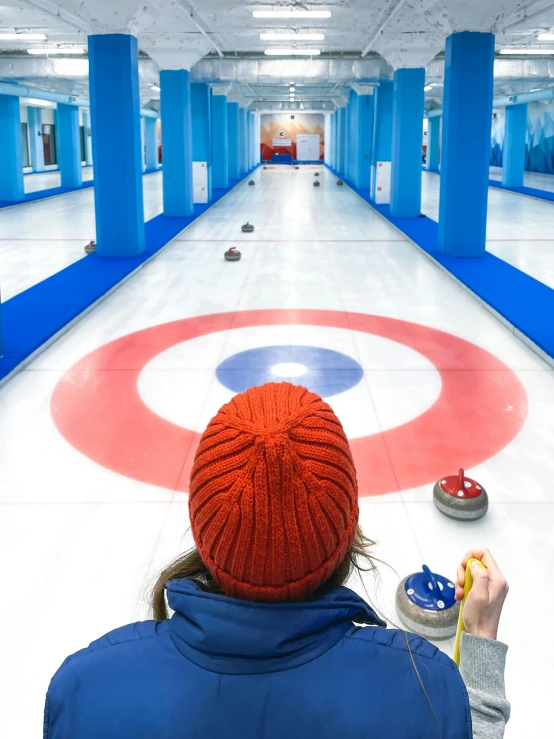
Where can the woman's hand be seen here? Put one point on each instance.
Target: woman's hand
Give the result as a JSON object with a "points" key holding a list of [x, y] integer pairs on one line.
{"points": [[484, 603]]}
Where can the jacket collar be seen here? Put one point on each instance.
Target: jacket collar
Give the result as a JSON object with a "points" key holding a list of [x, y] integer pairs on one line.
{"points": [[232, 636]]}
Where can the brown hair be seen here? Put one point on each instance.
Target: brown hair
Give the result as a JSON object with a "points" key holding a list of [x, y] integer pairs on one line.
{"points": [[190, 565]]}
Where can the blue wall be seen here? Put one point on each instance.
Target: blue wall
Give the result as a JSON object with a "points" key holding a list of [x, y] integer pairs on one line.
{"points": [[539, 154]]}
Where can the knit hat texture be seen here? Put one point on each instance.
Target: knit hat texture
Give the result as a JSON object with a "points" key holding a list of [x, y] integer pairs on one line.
{"points": [[273, 495]]}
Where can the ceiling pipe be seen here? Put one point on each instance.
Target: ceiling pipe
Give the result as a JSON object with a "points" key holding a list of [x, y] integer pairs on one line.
{"points": [[507, 100], [22, 91]]}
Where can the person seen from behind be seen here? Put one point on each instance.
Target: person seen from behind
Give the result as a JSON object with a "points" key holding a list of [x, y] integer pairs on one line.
{"points": [[265, 641]]}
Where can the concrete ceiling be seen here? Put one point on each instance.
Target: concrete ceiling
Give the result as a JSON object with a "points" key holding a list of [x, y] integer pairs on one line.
{"points": [[220, 41]]}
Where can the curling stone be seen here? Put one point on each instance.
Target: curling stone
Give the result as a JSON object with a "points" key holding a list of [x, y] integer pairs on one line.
{"points": [[340, 182], [316, 174], [264, 167], [247, 228], [460, 497], [316, 183], [90, 247], [232, 254], [426, 605], [251, 182], [296, 166]]}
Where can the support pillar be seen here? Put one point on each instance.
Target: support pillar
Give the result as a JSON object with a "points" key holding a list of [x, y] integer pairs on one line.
{"points": [[464, 182], [201, 105], [115, 119], [407, 137], [36, 146], [327, 158], [433, 142], [334, 126], [220, 141], [341, 142], [233, 136], [242, 141], [513, 158], [151, 143], [352, 136], [175, 99], [381, 153], [68, 145], [11, 156], [257, 140], [361, 166]]}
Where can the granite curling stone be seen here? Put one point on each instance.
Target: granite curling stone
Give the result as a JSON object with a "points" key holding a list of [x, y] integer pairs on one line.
{"points": [[316, 183], [232, 254], [247, 228], [460, 497], [251, 182], [426, 605], [90, 247], [340, 183]]}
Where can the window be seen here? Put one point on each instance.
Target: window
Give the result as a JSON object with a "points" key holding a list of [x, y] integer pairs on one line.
{"points": [[25, 144], [49, 143]]}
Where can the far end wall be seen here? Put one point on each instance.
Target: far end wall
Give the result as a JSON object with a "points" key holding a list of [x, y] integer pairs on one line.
{"points": [[276, 127]]}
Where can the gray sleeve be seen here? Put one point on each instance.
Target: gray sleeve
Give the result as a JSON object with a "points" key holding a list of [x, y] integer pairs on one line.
{"points": [[482, 663]]}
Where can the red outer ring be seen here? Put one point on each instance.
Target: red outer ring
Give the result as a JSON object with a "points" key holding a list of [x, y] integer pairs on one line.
{"points": [[481, 408]]}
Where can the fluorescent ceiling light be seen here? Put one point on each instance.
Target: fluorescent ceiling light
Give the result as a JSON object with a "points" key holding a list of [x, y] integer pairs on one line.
{"points": [[22, 37], [155, 88], [292, 52], [292, 89], [291, 83], [38, 103], [545, 37], [428, 87], [56, 50], [291, 13], [536, 89], [536, 52], [292, 36]]}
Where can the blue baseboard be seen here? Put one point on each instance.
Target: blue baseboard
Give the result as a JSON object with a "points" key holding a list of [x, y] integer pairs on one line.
{"points": [[33, 317], [524, 302]]}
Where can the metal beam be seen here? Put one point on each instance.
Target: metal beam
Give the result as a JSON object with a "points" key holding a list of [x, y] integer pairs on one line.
{"points": [[57, 11], [189, 11], [384, 24]]}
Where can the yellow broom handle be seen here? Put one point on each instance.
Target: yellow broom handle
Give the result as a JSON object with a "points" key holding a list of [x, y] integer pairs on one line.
{"points": [[468, 582]]}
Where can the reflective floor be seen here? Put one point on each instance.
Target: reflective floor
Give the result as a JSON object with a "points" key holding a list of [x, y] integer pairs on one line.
{"points": [[40, 238], [50, 179], [93, 501], [520, 229]]}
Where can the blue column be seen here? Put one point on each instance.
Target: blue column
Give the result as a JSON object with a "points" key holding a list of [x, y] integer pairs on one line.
{"points": [[433, 142], [115, 124], [341, 142], [252, 120], [11, 155], [220, 141], [88, 138], [233, 135], [381, 150], [36, 146], [68, 145], [513, 162], [151, 143], [407, 140], [176, 142], [242, 141], [352, 135], [201, 106], [364, 140], [334, 125], [464, 182]]}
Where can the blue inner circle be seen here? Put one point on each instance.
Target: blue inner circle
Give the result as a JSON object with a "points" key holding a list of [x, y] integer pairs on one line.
{"points": [[328, 372]]}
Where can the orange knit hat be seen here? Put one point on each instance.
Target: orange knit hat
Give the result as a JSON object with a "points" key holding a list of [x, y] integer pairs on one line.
{"points": [[273, 494]]}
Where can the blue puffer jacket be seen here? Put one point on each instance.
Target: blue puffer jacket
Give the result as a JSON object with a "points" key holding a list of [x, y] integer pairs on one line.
{"points": [[231, 669]]}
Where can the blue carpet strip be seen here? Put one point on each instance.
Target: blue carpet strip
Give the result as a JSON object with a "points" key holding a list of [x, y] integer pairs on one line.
{"points": [[37, 314], [524, 302]]}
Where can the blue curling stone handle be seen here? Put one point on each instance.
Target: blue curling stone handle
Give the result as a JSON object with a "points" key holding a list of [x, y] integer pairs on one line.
{"points": [[428, 590]]}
